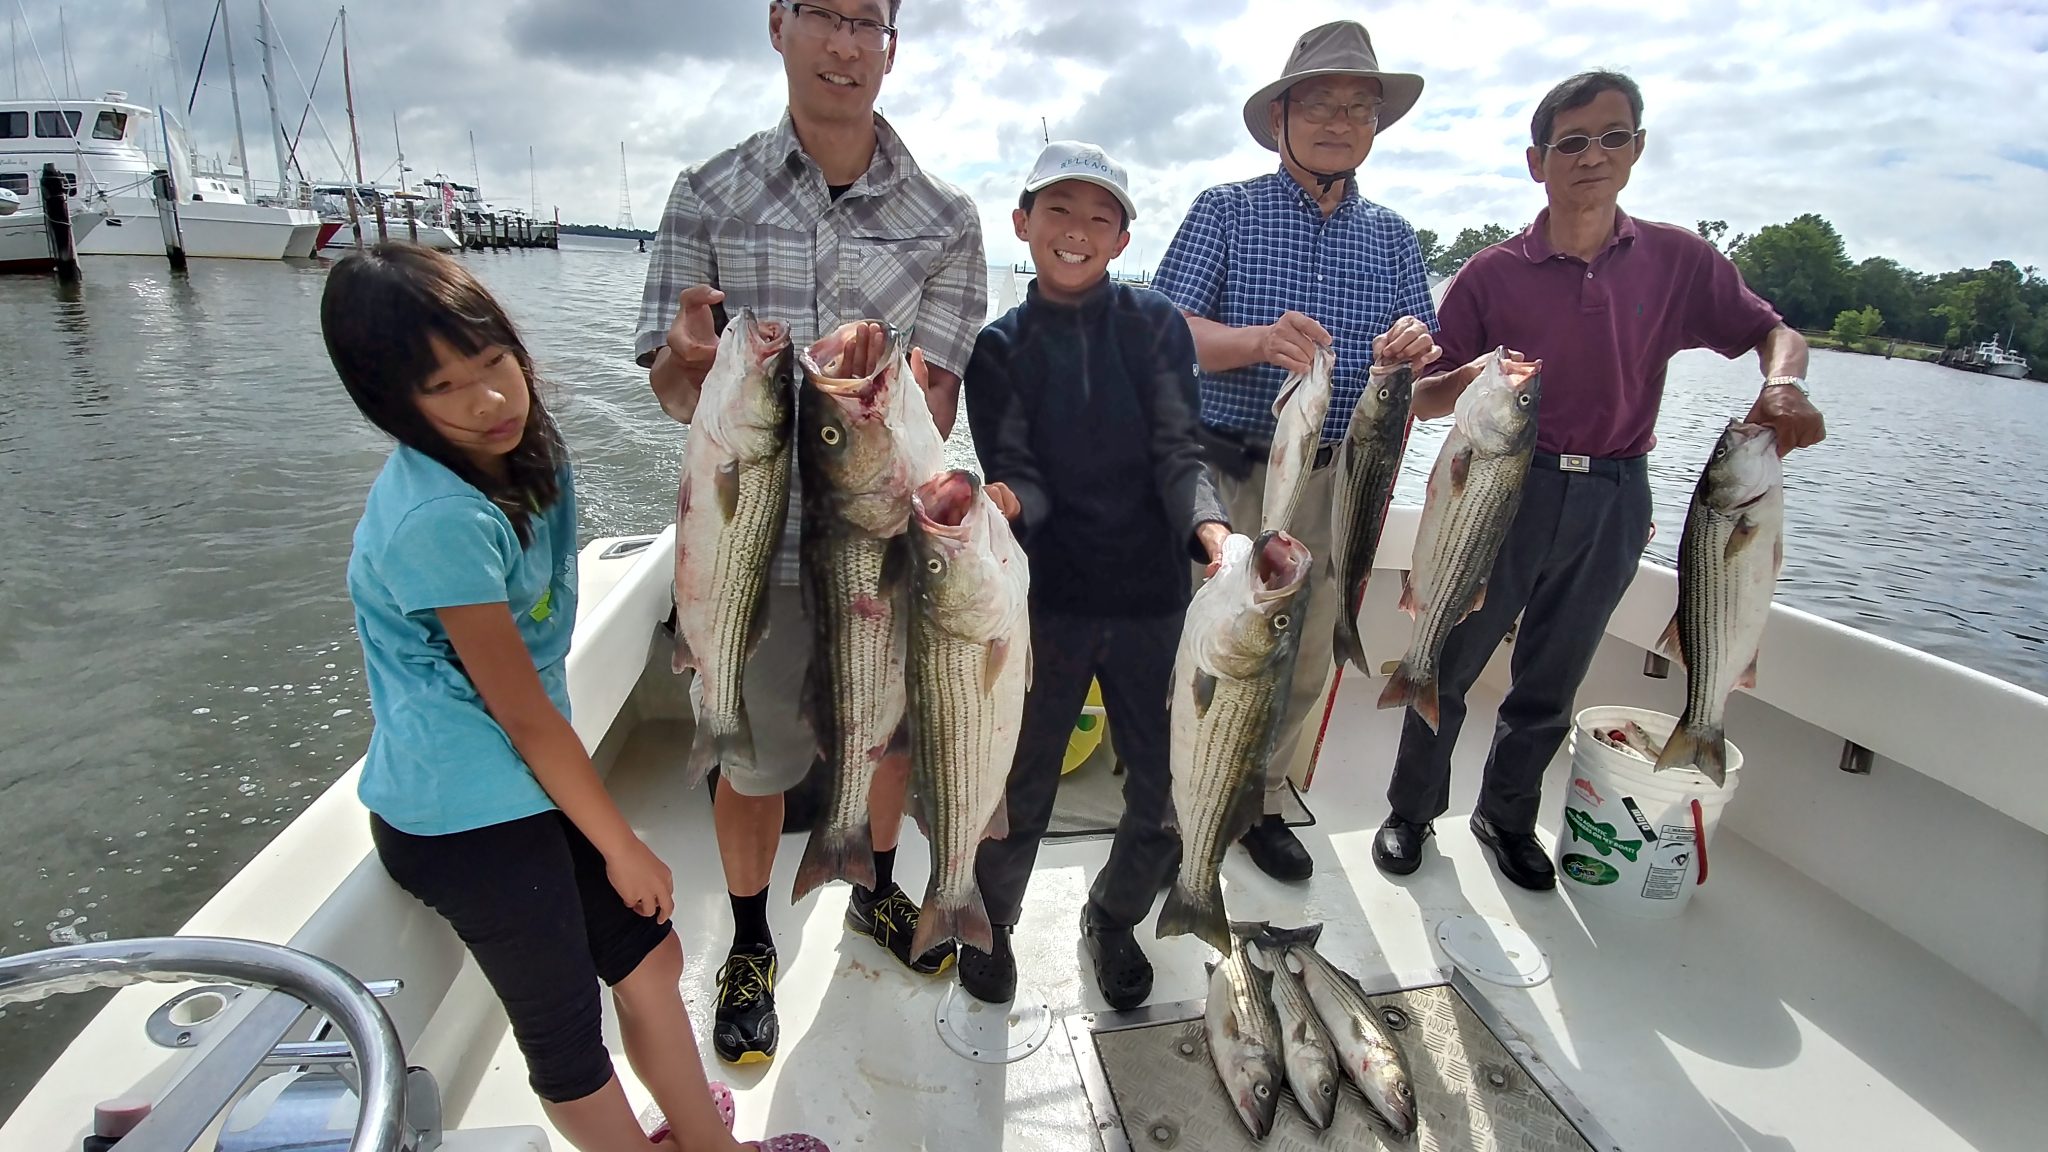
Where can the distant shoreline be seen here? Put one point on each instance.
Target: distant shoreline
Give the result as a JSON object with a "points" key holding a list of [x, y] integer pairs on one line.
{"points": [[1897, 349], [602, 230]]}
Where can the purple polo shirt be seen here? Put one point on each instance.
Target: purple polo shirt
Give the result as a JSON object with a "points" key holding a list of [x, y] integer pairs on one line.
{"points": [[1605, 331]]}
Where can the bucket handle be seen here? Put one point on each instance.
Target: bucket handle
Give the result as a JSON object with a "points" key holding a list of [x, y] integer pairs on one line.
{"points": [[1699, 840]]}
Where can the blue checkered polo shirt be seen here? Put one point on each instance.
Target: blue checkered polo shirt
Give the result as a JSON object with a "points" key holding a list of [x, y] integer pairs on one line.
{"points": [[1251, 250]]}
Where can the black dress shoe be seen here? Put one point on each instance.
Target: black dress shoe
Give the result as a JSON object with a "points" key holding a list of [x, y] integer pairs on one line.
{"points": [[1397, 849], [1519, 855], [1277, 850]]}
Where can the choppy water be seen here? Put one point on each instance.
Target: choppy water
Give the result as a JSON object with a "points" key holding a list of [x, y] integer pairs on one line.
{"points": [[180, 474]]}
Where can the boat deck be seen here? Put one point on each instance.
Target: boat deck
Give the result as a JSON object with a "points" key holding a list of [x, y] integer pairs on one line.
{"points": [[1772, 1015]]}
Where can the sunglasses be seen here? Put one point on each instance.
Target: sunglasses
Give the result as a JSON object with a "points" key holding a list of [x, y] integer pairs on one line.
{"points": [[1612, 141]]}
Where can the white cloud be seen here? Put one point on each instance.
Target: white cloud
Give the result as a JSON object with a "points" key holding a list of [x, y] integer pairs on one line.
{"points": [[1913, 125]]}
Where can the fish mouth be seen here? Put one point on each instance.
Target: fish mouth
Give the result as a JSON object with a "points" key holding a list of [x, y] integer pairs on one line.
{"points": [[1522, 375], [766, 339], [1279, 564], [826, 364], [941, 504]]}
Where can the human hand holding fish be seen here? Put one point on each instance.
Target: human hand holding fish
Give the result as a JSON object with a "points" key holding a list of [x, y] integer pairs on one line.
{"points": [[1004, 499], [1292, 340], [692, 346], [1407, 342], [1787, 411], [1212, 535]]}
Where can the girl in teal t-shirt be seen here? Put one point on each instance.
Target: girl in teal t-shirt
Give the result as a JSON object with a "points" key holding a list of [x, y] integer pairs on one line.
{"points": [[483, 802]]}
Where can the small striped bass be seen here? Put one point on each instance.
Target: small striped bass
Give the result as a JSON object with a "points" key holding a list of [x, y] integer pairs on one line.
{"points": [[1474, 490], [1369, 1058], [1728, 561], [731, 507], [1368, 464], [1313, 1069], [1244, 1038], [969, 668], [1298, 413], [1231, 677]]}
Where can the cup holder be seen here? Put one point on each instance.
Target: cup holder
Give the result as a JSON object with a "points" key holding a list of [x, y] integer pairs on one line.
{"points": [[183, 1020]]}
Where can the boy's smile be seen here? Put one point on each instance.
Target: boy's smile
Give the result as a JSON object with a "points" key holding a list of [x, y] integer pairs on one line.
{"points": [[1075, 229]]}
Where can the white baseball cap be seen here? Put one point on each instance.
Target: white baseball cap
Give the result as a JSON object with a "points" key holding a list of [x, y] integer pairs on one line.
{"points": [[1074, 160]]}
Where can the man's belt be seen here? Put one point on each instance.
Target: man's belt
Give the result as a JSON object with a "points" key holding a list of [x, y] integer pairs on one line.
{"points": [[1235, 453], [1612, 467]]}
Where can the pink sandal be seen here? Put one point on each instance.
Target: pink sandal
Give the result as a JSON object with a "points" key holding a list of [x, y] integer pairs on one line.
{"points": [[721, 1099]]}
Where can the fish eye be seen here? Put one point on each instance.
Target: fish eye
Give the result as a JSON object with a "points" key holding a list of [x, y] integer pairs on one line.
{"points": [[1328, 1088], [1386, 393], [934, 565], [830, 436], [1523, 399], [1261, 1091], [1281, 621]]}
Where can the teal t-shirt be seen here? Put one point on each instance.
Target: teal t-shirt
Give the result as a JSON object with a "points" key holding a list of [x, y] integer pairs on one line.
{"points": [[438, 763]]}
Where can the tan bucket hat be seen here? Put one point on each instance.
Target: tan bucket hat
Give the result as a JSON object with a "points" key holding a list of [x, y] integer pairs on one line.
{"points": [[1340, 48]]}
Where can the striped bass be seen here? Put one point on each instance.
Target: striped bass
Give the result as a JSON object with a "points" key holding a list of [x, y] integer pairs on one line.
{"points": [[1728, 561], [1368, 1057], [1368, 464], [1244, 1038], [865, 440], [1231, 677], [1313, 1069], [1298, 413], [969, 667], [731, 507], [1474, 491]]}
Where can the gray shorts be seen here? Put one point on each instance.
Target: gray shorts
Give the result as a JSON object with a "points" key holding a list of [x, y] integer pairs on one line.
{"points": [[773, 689]]}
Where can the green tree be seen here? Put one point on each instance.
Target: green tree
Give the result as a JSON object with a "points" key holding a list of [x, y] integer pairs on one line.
{"points": [[1713, 232], [1854, 326], [1468, 244], [1801, 267], [1959, 307], [1432, 248], [1896, 292]]}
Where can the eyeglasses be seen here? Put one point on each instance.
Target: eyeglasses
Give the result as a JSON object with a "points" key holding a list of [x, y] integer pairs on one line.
{"points": [[819, 23], [1612, 141], [1362, 112]]}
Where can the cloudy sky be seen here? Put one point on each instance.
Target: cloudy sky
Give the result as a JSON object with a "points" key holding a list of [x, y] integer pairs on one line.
{"points": [[1915, 125]]}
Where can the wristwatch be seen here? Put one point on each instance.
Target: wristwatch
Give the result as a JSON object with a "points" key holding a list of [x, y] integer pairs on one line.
{"points": [[1793, 381]]}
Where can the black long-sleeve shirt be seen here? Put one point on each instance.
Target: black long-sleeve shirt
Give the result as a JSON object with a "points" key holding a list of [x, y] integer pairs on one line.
{"points": [[1087, 412]]}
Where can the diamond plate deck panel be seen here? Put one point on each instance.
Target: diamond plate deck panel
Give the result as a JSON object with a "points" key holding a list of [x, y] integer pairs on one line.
{"points": [[1471, 1093]]}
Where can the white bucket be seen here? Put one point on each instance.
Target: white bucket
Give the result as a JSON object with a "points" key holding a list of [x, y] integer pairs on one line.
{"points": [[1635, 840]]}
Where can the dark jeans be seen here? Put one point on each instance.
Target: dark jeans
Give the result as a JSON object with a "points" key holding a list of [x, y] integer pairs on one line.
{"points": [[1133, 660], [531, 901], [1569, 556]]}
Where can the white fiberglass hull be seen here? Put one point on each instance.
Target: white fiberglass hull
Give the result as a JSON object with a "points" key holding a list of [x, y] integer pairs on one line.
{"points": [[212, 231], [25, 243]]}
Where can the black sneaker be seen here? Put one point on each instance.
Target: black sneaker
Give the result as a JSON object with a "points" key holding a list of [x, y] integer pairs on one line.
{"points": [[744, 1029], [887, 917], [990, 977]]}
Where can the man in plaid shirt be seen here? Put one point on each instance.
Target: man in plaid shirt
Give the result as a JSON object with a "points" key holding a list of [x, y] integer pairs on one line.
{"points": [[1268, 269], [821, 220]]}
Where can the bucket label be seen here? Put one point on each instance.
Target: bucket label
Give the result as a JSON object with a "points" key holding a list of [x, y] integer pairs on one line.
{"points": [[1601, 836], [1587, 870], [1670, 865]]}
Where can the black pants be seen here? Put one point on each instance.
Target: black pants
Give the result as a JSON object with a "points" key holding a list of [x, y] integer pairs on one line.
{"points": [[1569, 556], [1133, 660], [530, 900]]}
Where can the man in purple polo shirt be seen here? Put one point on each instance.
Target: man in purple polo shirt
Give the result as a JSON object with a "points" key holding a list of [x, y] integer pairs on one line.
{"points": [[1604, 301]]}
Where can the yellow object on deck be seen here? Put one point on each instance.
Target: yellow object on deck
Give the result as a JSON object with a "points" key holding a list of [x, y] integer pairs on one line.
{"points": [[1088, 730]]}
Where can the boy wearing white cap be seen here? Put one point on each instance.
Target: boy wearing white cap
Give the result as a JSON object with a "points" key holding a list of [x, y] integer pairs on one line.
{"points": [[1083, 405]]}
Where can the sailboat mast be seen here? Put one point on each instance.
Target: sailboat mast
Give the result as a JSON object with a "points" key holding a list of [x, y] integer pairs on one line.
{"points": [[355, 140], [227, 43], [266, 35], [532, 183], [64, 34], [400, 145]]}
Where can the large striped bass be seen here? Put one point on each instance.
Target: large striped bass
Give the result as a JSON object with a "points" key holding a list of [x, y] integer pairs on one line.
{"points": [[1231, 677], [1368, 1057], [865, 441], [730, 510], [1474, 491], [1244, 1038], [1728, 561], [1298, 413], [1368, 464], [969, 667]]}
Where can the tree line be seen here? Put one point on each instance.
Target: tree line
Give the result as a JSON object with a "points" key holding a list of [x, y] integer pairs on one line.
{"points": [[1803, 268]]}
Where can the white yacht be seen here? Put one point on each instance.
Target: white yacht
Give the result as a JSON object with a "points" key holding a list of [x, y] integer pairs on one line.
{"points": [[1863, 966], [107, 150], [1992, 358], [24, 239]]}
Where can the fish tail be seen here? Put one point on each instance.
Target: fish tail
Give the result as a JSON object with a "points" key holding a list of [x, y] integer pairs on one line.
{"points": [[966, 922], [1198, 913], [1348, 646], [1280, 939], [1405, 690], [732, 752], [1692, 747], [836, 854]]}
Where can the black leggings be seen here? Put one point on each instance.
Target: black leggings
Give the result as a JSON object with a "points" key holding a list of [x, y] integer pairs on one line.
{"points": [[530, 900]]}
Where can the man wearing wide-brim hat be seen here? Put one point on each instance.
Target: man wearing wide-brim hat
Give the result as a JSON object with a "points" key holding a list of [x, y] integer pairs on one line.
{"points": [[1268, 270]]}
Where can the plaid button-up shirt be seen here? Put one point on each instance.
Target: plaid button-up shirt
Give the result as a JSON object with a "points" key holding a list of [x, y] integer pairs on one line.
{"points": [[758, 223], [1251, 250]]}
